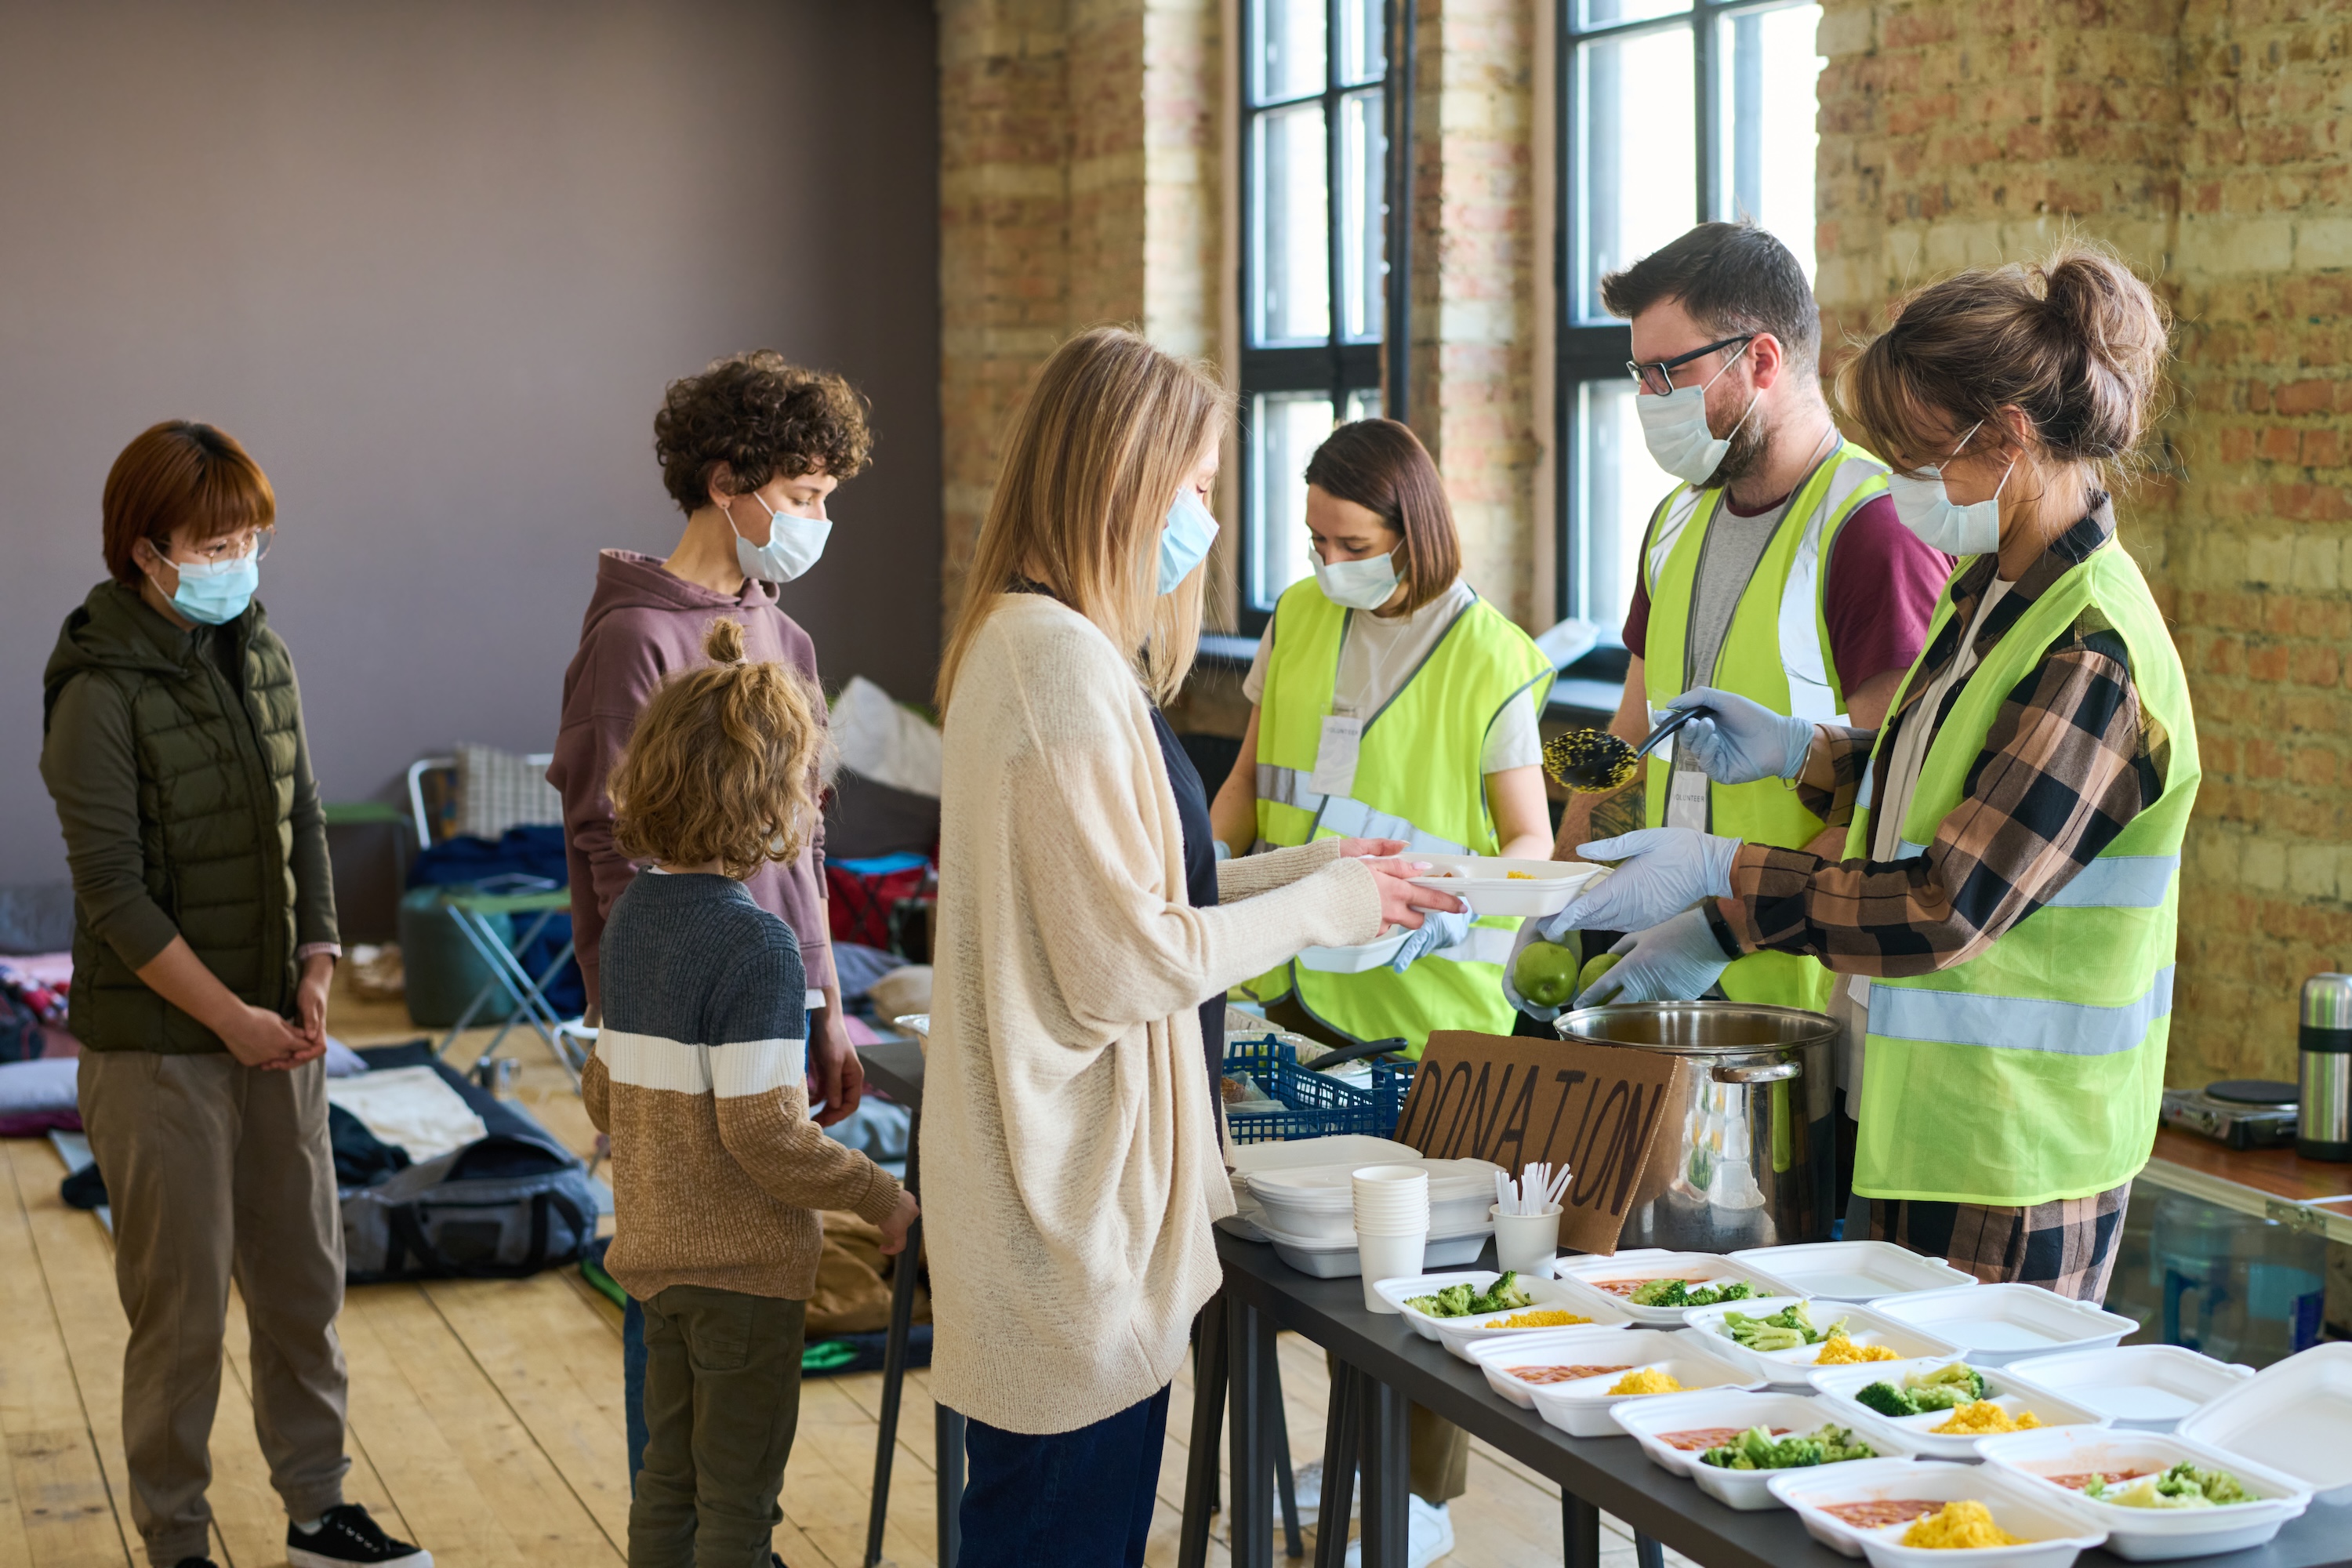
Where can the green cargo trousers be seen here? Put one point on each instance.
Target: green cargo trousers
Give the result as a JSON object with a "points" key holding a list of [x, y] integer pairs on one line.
{"points": [[722, 1399]]}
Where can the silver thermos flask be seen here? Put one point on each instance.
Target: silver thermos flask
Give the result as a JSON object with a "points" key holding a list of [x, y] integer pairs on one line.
{"points": [[2322, 1127]]}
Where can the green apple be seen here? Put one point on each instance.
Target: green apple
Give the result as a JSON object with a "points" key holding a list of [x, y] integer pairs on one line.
{"points": [[1601, 964], [1545, 973]]}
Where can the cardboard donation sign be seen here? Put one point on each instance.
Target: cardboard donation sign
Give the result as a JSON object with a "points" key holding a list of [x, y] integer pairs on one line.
{"points": [[1597, 1108]]}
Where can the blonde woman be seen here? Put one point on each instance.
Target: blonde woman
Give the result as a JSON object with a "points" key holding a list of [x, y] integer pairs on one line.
{"points": [[1070, 1149]]}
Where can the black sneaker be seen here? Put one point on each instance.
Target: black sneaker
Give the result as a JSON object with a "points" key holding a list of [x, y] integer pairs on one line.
{"points": [[346, 1535], [195, 1562]]}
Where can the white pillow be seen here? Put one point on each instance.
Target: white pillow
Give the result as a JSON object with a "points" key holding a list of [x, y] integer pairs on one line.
{"points": [[45, 1083], [497, 790]]}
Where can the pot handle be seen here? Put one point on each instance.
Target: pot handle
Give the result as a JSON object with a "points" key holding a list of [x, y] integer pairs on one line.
{"points": [[1775, 1073]]}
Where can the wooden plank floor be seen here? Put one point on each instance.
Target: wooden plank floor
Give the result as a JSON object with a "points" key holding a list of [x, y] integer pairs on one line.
{"points": [[486, 1416]]}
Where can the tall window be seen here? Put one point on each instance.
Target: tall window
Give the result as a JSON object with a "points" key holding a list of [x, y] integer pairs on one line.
{"points": [[1672, 111], [1316, 226]]}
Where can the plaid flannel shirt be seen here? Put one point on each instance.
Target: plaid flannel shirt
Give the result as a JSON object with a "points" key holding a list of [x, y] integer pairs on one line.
{"points": [[2072, 757]]}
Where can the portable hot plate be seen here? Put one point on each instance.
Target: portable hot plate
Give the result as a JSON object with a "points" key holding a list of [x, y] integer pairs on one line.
{"points": [[2245, 1113]]}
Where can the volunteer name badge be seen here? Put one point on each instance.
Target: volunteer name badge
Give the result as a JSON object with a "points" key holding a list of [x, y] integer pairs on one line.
{"points": [[1335, 755]]}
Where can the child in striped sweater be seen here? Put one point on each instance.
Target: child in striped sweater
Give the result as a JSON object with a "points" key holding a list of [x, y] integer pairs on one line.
{"points": [[699, 1075]]}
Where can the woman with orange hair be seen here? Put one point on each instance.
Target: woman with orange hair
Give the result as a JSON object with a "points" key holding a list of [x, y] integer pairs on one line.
{"points": [[204, 939]]}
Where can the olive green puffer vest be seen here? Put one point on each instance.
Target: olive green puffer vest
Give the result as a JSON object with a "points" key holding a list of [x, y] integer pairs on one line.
{"points": [[216, 778]]}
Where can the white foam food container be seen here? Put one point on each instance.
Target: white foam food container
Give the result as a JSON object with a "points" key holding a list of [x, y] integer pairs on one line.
{"points": [[1318, 1203], [2053, 1535], [1355, 960], [1656, 1263], [1586, 1345], [2145, 1387], [1997, 1324], [1839, 1384], [1353, 1150], [1580, 1408], [1327, 1259], [1485, 882], [1794, 1367], [1457, 1334], [1855, 1270], [2294, 1416], [2151, 1534], [1649, 1421]]}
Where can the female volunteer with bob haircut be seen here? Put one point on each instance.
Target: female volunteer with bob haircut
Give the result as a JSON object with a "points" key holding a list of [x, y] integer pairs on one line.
{"points": [[1391, 701], [1070, 1154], [204, 939], [2003, 920]]}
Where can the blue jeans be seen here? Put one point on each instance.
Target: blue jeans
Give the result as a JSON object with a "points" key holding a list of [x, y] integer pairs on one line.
{"points": [[632, 1385], [1069, 1499]]}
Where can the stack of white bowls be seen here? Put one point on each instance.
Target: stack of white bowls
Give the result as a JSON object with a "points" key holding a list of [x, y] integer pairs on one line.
{"points": [[1392, 1225]]}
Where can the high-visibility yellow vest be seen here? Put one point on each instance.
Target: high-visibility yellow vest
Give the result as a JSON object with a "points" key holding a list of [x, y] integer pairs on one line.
{"points": [[1418, 777], [2033, 1072], [1776, 651]]}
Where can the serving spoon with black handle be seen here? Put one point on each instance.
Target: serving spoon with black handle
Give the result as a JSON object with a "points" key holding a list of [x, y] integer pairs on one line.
{"points": [[1589, 761]]}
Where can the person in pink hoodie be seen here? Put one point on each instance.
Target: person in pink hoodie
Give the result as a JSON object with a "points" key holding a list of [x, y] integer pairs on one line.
{"points": [[749, 449]]}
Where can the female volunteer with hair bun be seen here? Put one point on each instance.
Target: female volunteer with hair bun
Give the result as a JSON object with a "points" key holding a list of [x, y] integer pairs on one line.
{"points": [[1391, 701], [2003, 920], [1071, 1167]]}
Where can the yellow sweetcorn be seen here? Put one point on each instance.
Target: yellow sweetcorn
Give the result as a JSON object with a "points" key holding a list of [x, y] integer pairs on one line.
{"points": [[1960, 1526]]}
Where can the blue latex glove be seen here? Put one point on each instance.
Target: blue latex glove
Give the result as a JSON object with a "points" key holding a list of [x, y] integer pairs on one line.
{"points": [[1663, 872], [1438, 930], [1741, 741], [1675, 962]]}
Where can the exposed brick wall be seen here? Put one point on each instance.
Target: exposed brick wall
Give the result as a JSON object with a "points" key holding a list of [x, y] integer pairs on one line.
{"points": [[1472, 387], [2206, 140], [1077, 185]]}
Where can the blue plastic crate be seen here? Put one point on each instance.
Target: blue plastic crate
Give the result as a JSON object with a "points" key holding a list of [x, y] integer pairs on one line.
{"points": [[1318, 1105]]}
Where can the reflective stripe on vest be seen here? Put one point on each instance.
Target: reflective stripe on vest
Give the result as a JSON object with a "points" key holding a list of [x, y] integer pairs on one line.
{"points": [[1419, 778], [2034, 1071], [1776, 650]]}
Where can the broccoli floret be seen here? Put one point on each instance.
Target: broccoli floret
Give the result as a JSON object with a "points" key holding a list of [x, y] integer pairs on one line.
{"points": [[1887, 1399], [1502, 1295], [1839, 1444], [1457, 1301], [1662, 1293], [1960, 1376], [1708, 1295], [1758, 1449], [1946, 1398], [1784, 1330], [1429, 1304]]}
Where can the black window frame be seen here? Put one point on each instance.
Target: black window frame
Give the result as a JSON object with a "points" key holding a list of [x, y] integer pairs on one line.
{"points": [[1588, 350], [1336, 367]]}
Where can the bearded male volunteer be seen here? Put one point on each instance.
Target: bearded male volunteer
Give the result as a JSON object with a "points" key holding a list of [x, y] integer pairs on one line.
{"points": [[1777, 569]]}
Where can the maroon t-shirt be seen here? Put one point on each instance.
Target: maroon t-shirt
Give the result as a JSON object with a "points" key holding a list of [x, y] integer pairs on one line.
{"points": [[1882, 590]]}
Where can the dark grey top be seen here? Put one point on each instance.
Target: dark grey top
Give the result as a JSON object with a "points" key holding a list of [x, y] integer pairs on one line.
{"points": [[687, 956]]}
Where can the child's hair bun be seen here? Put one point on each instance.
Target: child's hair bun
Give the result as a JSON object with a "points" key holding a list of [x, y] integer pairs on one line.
{"points": [[723, 643]]}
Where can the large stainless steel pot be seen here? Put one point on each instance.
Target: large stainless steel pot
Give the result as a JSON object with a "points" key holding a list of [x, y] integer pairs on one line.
{"points": [[1750, 1145]]}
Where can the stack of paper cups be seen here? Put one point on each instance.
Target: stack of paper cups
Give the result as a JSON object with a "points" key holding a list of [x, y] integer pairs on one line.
{"points": [[1391, 1226]]}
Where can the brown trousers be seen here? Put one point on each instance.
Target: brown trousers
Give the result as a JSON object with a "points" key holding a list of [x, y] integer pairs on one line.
{"points": [[220, 1172]]}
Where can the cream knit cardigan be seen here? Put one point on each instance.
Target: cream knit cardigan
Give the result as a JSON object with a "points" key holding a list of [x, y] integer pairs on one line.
{"points": [[1070, 1166]]}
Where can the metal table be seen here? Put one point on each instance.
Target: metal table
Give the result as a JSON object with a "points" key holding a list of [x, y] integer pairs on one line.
{"points": [[1389, 1364], [896, 1067]]}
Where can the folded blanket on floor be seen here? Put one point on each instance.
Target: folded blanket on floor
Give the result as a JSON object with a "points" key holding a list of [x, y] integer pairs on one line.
{"points": [[411, 1107]]}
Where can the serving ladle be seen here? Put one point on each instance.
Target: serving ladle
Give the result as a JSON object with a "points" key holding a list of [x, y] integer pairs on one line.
{"points": [[1589, 761]]}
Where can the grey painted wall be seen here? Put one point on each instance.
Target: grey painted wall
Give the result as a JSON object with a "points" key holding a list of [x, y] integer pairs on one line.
{"points": [[432, 261]]}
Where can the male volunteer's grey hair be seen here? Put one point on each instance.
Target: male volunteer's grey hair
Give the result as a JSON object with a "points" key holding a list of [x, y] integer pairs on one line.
{"points": [[1732, 278]]}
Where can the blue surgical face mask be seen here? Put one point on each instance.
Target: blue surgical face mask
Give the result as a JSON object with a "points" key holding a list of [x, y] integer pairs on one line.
{"points": [[1927, 509], [794, 544], [1364, 584], [1675, 429], [1184, 542], [216, 591]]}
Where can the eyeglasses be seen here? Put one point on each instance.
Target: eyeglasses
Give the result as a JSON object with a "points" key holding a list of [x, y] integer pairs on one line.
{"points": [[1657, 376]]}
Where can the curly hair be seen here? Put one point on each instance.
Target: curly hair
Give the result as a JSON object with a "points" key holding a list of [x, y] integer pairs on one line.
{"points": [[725, 765], [762, 415]]}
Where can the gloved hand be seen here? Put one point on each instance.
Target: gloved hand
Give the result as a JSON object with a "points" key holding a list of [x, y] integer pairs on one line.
{"points": [[1741, 741], [1675, 962], [1439, 929], [1663, 871]]}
